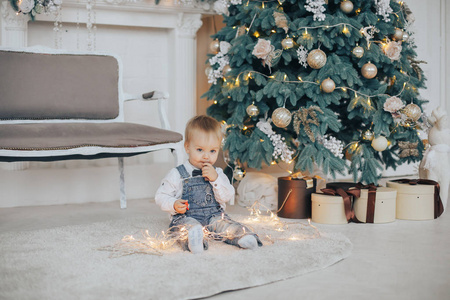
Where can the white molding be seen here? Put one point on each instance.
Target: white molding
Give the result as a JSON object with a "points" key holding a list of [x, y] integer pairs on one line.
{"points": [[13, 27], [188, 25]]}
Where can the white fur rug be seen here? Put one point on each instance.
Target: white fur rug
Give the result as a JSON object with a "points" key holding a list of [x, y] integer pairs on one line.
{"points": [[64, 263]]}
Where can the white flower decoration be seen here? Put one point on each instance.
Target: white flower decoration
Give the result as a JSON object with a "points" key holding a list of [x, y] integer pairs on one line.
{"points": [[262, 49], [393, 104], [25, 6], [265, 126], [393, 50]]}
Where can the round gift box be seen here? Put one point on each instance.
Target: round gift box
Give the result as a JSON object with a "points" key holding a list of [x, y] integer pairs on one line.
{"points": [[298, 204], [414, 202], [327, 209], [384, 205]]}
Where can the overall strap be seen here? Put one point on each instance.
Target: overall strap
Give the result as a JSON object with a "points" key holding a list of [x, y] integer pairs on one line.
{"points": [[182, 170]]}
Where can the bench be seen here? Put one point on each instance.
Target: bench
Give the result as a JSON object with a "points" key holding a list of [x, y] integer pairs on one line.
{"points": [[59, 105]]}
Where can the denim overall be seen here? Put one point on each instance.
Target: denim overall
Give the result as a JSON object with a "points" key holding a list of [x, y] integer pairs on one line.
{"points": [[205, 210]]}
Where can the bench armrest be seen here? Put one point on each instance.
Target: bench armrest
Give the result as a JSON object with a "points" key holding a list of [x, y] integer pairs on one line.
{"points": [[154, 95]]}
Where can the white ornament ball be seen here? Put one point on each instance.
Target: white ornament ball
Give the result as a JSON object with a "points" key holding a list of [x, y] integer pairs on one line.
{"points": [[316, 59], [226, 70], [398, 34], [358, 51], [347, 6], [281, 117], [238, 174], [214, 46], [252, 110], [328, 85], [380, 143], [412, 112], [287, 43], [369, 70], [405, 36]]}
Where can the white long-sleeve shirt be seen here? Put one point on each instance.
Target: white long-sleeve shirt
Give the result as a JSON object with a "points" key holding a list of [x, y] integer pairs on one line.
{"points": [[171, 189]]}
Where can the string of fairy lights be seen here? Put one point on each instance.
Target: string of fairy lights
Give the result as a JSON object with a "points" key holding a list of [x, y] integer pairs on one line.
{"points": [[271, 230]]}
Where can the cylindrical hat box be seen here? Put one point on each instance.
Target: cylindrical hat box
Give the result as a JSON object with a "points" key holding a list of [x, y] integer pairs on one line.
{"points": [[294, 197], [384, 205], [414, 202], [327, 209]]}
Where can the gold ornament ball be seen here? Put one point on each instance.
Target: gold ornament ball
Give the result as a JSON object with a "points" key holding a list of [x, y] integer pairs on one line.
{"points": [[405, 36], [316, 59], [287, 43], [328, 85], [358, 51], [226, 70], [208, 70], [281, 117], [238, 174], [369, 70], [252, 110], [398, 34], [214, 46], [348, 154], [367, 135], [413, 112], [347, 6], [380, 143]]}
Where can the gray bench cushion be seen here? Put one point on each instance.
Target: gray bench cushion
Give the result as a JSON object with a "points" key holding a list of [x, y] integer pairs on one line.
{"points": [[58, 86], [62, 136]]}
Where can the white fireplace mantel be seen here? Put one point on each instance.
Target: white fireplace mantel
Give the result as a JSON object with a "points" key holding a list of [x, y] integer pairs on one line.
{"points": [[181, 20]]}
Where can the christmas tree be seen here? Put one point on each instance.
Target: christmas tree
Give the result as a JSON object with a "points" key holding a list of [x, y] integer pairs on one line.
{"points": [[332, 83]]}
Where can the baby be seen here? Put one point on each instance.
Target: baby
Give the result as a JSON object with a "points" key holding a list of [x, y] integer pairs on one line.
{"points": [[195, 192]]}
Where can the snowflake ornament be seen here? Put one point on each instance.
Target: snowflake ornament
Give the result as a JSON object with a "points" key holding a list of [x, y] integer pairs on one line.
{"points": [[302, 54]]}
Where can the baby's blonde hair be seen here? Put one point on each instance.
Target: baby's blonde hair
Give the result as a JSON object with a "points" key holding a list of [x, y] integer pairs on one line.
{"points": [[205, 124]]}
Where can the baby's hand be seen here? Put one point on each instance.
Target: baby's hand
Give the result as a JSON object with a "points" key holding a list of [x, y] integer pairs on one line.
{"points": [[181, 206], [209, 172]]}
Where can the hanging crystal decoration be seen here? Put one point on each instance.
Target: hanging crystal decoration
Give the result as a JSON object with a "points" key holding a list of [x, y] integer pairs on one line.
{"points": [[90, 25], [78, 24], [57, 27]]}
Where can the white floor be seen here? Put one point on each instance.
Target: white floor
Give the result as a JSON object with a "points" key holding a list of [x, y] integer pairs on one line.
{"points": [[400, 260]]}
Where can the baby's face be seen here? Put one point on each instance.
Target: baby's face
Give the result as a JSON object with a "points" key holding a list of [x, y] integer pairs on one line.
{"points": [[203, 148]]}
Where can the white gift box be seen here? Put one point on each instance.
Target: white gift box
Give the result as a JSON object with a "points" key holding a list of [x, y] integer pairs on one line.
{"points": [[327, 209], [414, 202], [385, 205]]}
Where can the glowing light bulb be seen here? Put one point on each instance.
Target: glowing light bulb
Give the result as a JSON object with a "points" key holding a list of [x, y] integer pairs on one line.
{"points": [[345, 30]]}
